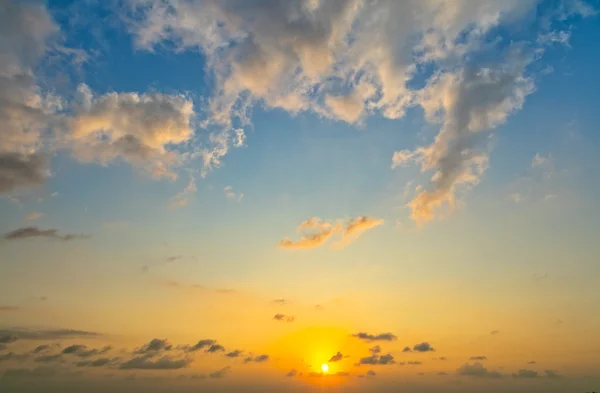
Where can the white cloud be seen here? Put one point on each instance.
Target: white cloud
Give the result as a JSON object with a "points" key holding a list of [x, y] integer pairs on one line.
{"points": [[25, 111], [343, 59], [136, 128], [232, 195], [183, 198]]}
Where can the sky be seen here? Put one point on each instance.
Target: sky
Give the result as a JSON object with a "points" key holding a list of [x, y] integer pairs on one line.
{"points": [[230, 195]]}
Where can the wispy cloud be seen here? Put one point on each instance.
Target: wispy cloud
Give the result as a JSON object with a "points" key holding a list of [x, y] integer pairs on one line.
{"points": [[232, 195], [376, 337], [317, 232], [35, 232]]}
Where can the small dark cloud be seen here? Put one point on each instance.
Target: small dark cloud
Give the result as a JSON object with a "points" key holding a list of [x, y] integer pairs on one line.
{"points": [[100, 362], [477, 370], [280, 302], [375, 337], [220, 373], [407, 349], [155, 345], [257, 359], [73, 349], [342, 374], [30, 373], [41, 348], [375, 350], [414, 363], [423, 347], [33, 232], [28, 334], [371, 373], [378, 360], [9, 308], [198, 376], [48, 358], [145, 362], [202, 344], [552, 374], [526, 374], [319, 307], [441, 358], [21, 170], [284, 318], [478, 358], [337, 357], [292, 373], [441, 373], [13, 356], [421, 374], [8, 339], [234, 354], [531, 362], [495, 332], [83, 352], [215, 348]]}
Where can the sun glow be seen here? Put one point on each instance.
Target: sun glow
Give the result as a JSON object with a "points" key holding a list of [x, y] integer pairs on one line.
{"points": [[324, 367]]}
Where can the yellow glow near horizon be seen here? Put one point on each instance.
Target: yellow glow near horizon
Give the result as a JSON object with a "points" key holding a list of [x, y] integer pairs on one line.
{"points": [[324, 367]]}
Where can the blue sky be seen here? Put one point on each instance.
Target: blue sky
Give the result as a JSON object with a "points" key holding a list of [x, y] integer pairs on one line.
{"points": [[169, 168]]}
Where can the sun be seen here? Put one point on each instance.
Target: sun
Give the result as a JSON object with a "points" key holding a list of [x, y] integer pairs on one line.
{"points": [[324, 367]]}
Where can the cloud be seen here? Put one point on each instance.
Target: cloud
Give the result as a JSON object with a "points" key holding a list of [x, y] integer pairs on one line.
{"points": [[82, 351], [531, 362], [257, 359], [356, 227], [3, 347], [375, 359], [407, 349], [100, 362], [234, 354], [441, 373], [311, 240], [552, 374], [26, 112], [371, 373], [284, 318], [183, 198], [423, 347], [292, 373], [215, 348], [336, 358], [41, 348], [155, 345], [145, 362], [7, 339], [13, 356], [473, 99], [136, 128], [33, 232], [52, 334], [232, 195], [478, 358], [48, 358], [375, 350], [525, 374], [375, 337], [202, 344], [280, 301], [477, 370], [321, 231], [33, 215], [30, 373], [495, 332], [220, 373], [9, 308]]}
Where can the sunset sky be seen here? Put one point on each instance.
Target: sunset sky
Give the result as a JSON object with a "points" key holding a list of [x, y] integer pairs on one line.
{"points": [[225, 195]]}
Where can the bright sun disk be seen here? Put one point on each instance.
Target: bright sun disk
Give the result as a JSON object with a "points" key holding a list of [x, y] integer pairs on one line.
{"points": [[324, 367]]}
